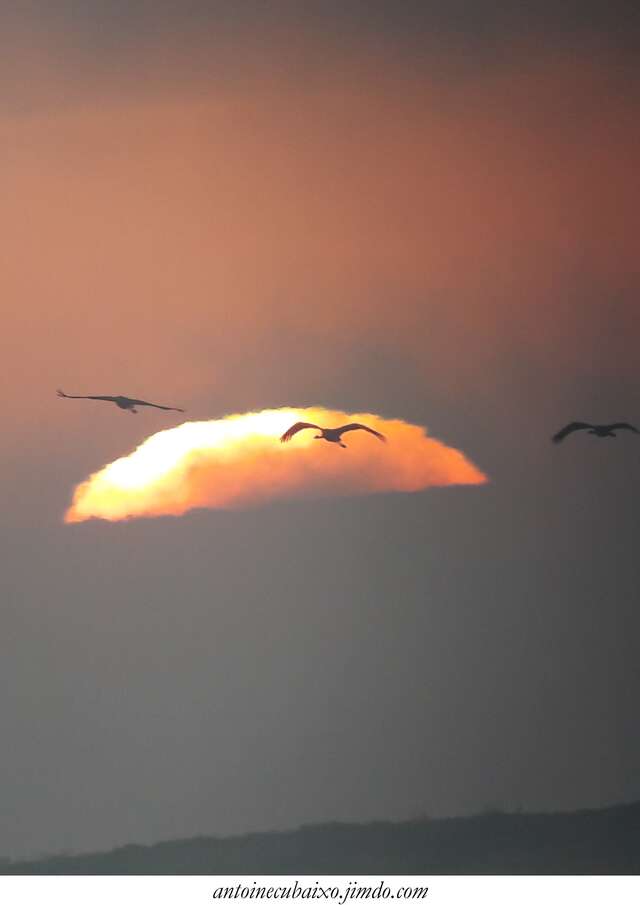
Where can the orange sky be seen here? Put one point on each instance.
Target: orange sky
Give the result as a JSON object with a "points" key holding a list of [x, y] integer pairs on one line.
{"points": [[157, 243]]}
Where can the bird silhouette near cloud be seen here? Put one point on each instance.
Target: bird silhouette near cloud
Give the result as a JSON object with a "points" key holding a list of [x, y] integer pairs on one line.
{"points": [[599, 430], [124, 402]]}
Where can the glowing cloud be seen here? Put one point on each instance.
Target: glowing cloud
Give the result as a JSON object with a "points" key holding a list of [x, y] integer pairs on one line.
{"points": [[238, 462]]}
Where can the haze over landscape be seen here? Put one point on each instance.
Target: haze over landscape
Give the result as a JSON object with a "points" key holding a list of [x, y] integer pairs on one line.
{"points": [[431, 216]]}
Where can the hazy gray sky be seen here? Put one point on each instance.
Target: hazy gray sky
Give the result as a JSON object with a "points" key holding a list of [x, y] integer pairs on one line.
{"points": [[239, 206]]}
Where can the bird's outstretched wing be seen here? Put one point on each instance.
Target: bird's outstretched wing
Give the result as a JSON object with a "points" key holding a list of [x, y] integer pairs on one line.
{"points": [[569, 429], [623, 425], [166, 408], [363, 427], [69, 396], [298, 426]]}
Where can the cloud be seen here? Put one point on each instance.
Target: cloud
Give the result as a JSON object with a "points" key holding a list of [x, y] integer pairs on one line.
{"points": [[238, 462]]}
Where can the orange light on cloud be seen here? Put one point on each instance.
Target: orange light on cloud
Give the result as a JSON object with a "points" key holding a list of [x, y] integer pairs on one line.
{"points": [[238, 462]]}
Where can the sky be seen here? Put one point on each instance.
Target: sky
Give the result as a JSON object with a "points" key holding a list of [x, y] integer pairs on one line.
{"points": [[431, 216]]}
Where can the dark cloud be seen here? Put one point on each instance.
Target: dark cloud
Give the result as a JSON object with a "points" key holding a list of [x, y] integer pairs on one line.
{"points": [[484, 20]]}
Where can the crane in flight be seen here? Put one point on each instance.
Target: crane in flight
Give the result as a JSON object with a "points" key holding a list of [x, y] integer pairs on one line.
{"points": [[123, 402], [600, 430], [331, 434]]}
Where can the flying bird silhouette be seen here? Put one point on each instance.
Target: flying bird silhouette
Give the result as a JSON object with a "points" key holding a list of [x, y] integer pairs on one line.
{"points": [[123, 402], [600, 430], [331, 434]]}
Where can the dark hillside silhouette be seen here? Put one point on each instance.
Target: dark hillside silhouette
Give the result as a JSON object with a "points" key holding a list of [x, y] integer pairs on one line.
{"points": [[605, 841]]}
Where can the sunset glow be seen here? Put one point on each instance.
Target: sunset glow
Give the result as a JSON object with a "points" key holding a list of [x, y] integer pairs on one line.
{"points": [[238, 462]]}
